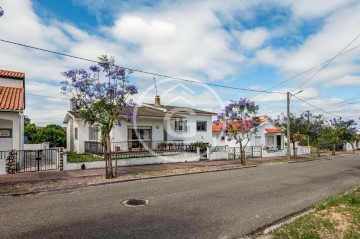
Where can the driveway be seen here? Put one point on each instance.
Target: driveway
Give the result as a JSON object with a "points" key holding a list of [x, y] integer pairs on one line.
{"points": [[226, 204]]}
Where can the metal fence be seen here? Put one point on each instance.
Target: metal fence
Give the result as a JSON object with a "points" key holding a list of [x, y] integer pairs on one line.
{"points": [[37, 160], [250, 152], [140, 148]]}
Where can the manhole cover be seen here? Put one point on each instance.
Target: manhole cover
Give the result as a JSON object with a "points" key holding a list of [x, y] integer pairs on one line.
{"points": [[135, 202]]}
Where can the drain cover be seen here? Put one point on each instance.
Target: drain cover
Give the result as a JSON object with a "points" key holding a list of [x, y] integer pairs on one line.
{"points": [[135, 202]]}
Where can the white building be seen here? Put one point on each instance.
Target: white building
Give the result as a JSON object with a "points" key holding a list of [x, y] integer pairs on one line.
{"points": [[12, 105], [267, 135], [153, 124]]}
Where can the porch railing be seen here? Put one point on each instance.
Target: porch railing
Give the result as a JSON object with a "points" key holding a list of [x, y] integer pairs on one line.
{"points": [[140, 146]]}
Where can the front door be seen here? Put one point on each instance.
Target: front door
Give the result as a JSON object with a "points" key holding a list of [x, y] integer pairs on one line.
{"points": [[278, 141]]}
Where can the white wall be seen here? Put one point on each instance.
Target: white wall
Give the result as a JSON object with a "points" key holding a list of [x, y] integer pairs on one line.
{"points": [[120, 133], [183, 157], [216, 137], [15, 121], [191, 135], [36, 146], [2, 166], [11, 82]]}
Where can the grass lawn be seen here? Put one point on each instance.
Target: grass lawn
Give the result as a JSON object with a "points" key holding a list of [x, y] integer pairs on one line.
{"points": [[337, 217], [82, 158]]}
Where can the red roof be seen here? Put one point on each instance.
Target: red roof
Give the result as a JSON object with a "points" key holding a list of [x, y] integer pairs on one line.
{"points": [[272, 130], [11, 98], [12, 74], [221, 124]]}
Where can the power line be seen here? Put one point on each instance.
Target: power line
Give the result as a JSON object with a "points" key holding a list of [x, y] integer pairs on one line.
{"points": [[48, 96], [142, 71], [306, 71], [323, 67], [318, 107]]}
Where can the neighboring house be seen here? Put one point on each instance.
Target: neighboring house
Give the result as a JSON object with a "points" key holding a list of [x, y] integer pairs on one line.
{"points": [[12, 106], [267, 135], [155, 123]]}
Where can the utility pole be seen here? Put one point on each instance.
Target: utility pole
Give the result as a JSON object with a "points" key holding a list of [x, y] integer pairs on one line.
{"points": [[288, 127], [308, 137]]}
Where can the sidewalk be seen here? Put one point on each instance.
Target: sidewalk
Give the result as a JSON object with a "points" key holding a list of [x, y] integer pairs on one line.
{"points": [[51, 175], [127, 170]]}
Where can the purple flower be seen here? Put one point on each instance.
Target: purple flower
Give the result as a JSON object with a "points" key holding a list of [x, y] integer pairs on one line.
{"points": [[131, 89], [228, 139], [95, 68], [1, 12]]}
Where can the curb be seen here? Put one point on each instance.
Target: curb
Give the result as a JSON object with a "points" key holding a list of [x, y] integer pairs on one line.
{"points": [[276, 226]]}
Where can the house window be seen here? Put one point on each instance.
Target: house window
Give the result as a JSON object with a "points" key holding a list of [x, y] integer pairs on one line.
{"points": [[180, 125], [201, 125], [140, 134], [269, 140], [223, 138], [93, 133], [76, 133]]}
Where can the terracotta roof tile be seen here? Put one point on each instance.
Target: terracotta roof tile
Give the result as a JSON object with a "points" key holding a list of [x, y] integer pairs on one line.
{"points": [[11, 98], [272, 130], [12, 74]]}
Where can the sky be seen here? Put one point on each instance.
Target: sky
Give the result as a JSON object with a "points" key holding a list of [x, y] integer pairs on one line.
{"points": [[255, 45]]}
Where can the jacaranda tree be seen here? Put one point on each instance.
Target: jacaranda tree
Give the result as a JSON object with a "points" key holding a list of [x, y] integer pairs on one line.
{"points": [[239, 121], [102, 96], [340, 130], [315, 128]]}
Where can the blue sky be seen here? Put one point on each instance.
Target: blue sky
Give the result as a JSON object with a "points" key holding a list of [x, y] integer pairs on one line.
{"points": [[247, 44]]}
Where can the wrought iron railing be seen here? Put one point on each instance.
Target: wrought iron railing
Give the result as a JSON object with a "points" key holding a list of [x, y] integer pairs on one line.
{"points": [[137, 147]]}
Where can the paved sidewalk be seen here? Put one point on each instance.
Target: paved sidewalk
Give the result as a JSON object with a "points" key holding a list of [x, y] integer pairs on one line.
{"points": [[52, 175], [48, 175]]}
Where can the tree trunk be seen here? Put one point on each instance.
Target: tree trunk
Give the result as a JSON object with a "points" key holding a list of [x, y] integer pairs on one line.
{"points": [[242, 154], [294, 149], [353, 148], [334, 147], [107, 151], [318, 151]]}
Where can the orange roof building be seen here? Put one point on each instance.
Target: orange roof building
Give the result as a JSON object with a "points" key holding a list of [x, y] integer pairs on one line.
{"points": [[12, 106]]}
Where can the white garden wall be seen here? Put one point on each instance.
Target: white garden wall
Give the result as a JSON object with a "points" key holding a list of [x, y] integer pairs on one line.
{"points": [[180, 158]]}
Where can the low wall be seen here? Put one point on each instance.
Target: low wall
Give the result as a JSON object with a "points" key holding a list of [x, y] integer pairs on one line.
{"points": [[36, 146], [2, 166], [180, 158]]}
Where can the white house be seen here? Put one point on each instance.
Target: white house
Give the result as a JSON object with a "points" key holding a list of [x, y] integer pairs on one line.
{"points": [[12, 105], [267, 135], [153, 124]]}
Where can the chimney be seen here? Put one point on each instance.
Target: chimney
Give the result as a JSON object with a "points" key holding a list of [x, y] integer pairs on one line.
{"points": [[157, 101], [73, 105]]}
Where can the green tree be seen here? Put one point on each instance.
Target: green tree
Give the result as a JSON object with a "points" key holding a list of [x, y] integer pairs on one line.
{"points": [[315, 129], [54, 134], [340, 130], [297, 129]]}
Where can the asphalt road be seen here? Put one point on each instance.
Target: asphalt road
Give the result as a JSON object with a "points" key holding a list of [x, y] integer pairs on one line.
{"points": [[227, 204]]}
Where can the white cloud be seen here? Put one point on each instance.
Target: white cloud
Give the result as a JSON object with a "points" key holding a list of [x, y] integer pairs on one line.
{"points": [[254, 38], [179, 40]]}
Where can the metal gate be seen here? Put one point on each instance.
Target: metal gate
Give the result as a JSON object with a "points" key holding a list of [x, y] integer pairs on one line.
{"points": [[37, 160], [250, 152]]}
